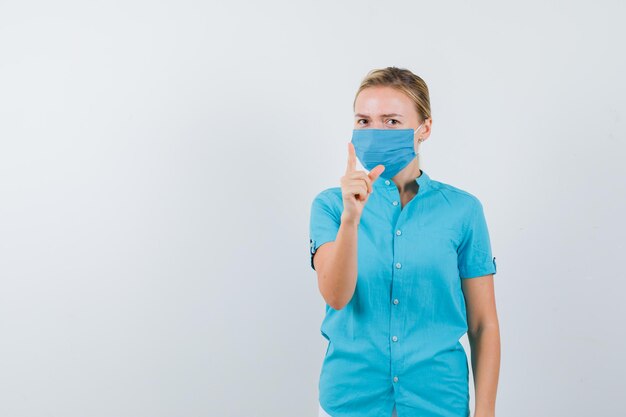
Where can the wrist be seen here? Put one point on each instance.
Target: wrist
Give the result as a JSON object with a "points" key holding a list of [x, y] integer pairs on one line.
{"points": [[350, 221]]}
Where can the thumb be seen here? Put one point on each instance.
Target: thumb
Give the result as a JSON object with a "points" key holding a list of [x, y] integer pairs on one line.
{"points": [[375, 172]]}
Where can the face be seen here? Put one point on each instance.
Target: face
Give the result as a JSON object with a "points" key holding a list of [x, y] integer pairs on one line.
{"points": [[388, 108]]}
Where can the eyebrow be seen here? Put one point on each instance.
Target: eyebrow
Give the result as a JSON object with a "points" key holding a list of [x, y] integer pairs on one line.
{"points": [[382, 115]]}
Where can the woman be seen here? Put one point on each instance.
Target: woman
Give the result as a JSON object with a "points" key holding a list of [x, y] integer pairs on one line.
{"points": [[394, 256]]}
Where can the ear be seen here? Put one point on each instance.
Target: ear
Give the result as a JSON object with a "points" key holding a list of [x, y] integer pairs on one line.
{"points": [[424, 132], [422, 135]]}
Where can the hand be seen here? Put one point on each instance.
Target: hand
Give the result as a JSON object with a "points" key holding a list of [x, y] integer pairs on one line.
{"points": [[356, 187]]}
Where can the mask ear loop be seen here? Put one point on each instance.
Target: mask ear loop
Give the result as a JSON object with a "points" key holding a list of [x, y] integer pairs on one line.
{"points": [[418, 140]]}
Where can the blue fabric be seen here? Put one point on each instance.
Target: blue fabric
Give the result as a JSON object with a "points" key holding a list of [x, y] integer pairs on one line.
{"points": [[397, 340], [393, 148]]}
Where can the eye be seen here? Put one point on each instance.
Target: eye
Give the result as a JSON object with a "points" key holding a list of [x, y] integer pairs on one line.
{"points": [[359, 121], [394, 120]]}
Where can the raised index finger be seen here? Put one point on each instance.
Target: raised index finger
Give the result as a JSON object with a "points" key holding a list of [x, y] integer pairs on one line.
{"points": [[351, 158]]}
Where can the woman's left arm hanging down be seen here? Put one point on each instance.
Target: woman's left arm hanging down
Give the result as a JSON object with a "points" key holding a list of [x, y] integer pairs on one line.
{"points": [[484, 338]]}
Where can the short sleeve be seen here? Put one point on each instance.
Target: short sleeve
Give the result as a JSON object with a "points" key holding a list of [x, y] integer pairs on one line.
{"points": [[324, 223], [474, 252]]}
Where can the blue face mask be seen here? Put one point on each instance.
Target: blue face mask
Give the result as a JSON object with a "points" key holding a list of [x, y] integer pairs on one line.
{"points": [[393, 148]]}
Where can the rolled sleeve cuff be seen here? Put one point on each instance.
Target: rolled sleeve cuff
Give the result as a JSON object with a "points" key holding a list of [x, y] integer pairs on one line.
{"points": [[316, 243], [479, 270]]}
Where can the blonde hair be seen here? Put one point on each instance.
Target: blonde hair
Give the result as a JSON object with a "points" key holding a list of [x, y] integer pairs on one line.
{"points": [[403, 80]]}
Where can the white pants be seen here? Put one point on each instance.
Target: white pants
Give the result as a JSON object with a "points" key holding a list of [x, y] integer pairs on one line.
{"points": [[323, 413]]}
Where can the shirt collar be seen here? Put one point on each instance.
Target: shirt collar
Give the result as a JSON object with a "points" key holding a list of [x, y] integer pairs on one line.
{"points": [[423, 181]]}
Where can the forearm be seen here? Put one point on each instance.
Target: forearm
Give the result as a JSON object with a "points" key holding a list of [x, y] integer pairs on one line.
{"points": [[341, 268], [485, 358]]}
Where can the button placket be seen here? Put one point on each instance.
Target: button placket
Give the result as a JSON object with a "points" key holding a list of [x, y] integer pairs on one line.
{"points": [[396, 313]]}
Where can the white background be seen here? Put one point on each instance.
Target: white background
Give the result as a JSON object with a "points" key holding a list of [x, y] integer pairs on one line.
{"points": [[158, 160]]}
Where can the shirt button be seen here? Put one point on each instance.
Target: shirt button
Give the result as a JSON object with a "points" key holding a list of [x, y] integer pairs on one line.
{"points": [[387, 182], [395, 379], [395, 203], [398, 265], [398, 232], [396, 301], [395, 338]]}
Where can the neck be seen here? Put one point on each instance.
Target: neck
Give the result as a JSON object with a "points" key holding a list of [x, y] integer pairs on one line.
{"points": [[405, 179]]}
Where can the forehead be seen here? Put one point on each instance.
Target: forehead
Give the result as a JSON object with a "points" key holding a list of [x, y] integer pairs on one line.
{"points": [[375, 101]]}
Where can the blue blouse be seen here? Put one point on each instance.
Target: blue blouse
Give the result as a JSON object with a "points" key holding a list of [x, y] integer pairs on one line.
{"points": [[397, 340]]}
